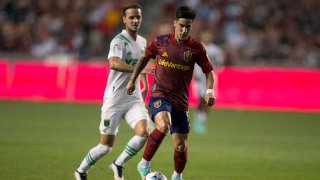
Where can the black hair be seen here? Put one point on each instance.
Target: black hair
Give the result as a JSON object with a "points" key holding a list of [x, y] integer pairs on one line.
{"points": [[131, 6], [186, 12]]}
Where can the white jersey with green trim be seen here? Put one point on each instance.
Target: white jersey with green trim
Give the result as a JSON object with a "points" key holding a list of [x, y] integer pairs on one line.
{"points": [[129, 51]]}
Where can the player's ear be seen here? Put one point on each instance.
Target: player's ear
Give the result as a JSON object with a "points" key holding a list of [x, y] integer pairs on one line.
{"points": [[174, 23], [124, 19]]}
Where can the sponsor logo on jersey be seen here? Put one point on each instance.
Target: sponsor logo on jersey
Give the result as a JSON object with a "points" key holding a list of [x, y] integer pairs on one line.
{"points": [[187, 56], [169, 64], [131, 62], [157, 104]]}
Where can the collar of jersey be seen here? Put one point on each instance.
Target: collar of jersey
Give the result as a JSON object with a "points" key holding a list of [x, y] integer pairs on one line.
{"points": [[127, 35]]}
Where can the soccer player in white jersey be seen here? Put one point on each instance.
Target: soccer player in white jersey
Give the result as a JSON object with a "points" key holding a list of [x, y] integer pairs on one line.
{"points": [[125, 49], [216, 55]]}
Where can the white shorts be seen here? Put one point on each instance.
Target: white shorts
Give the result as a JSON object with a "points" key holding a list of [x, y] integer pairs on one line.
{"points": [[132, 112]]}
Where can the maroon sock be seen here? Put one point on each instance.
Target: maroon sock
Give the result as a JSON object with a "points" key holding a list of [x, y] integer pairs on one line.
{"points": [[180, 160], [153, 143]]}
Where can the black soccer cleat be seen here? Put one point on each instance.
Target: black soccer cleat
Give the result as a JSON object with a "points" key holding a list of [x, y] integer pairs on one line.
{"points": [[117, 170], [80, 176]]}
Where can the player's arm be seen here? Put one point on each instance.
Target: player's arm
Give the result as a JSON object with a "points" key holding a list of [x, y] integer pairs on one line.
{"points": [[144, 80], [210, 98], [142, 62], [116, 51], [115, 63]]}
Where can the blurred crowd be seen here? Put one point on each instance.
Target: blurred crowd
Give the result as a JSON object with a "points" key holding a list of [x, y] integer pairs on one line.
{"points": [[250, 32], [77, 28], [259, 32]]}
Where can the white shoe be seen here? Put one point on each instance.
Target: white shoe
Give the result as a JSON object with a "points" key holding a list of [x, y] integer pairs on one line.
{"points": [[117, 170], [80, 176]]}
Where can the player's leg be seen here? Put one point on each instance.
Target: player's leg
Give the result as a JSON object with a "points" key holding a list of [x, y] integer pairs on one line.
{"points": [[160, 109], [109, 125], [200, 117], [162, 120], [135, 144], [179, 130], [180, 154], [95, 153], [136, 117], [153, 142]]}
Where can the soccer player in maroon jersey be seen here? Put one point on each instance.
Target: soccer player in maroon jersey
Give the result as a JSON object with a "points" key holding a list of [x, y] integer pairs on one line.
{"points": [[176, 54]]}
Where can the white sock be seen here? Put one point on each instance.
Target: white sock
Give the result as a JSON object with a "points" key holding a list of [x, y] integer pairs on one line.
{"points": [[93, 156], [135, 144], [177, 175], [201, 116], [144, 163]]}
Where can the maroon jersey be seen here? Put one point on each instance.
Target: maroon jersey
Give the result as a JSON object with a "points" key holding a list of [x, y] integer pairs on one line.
{"points": [[174, 67]]}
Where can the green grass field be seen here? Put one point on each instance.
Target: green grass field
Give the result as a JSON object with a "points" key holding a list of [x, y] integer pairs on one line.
{"points": [[47, 141]]}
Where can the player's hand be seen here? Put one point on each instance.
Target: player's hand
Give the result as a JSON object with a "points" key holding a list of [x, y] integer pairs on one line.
{"points": [[130, 87], [210, 99], [148, 71], [144, 92]]}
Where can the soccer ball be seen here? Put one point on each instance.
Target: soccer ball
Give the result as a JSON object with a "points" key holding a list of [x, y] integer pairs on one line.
{"points": [[155, 176]]}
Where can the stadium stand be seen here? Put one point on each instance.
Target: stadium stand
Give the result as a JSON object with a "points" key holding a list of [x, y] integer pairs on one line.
{"points": [[252, 32]]}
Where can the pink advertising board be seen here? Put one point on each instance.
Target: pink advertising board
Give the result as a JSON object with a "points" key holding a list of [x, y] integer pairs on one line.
{"points": [[237, 87]]}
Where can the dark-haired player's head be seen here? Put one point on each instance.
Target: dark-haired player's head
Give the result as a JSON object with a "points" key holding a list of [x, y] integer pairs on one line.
{"points": [[183, 22], [186, 12], [132, 17]]}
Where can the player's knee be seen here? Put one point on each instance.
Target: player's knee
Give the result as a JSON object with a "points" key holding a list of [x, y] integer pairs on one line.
{"points": [[180, 148], [141, 129], [143, 133], [163, 127]]}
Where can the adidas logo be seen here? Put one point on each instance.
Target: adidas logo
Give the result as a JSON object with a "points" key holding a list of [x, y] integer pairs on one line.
{"points": [[164, 54]]}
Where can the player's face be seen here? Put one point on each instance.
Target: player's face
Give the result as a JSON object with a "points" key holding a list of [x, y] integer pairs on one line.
{"points": [[132, 19], [182, 28]]}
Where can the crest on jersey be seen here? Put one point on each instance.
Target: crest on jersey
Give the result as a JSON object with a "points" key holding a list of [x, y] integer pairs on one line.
{"points": [[187, 56], [157, 104], [106, 122]]}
